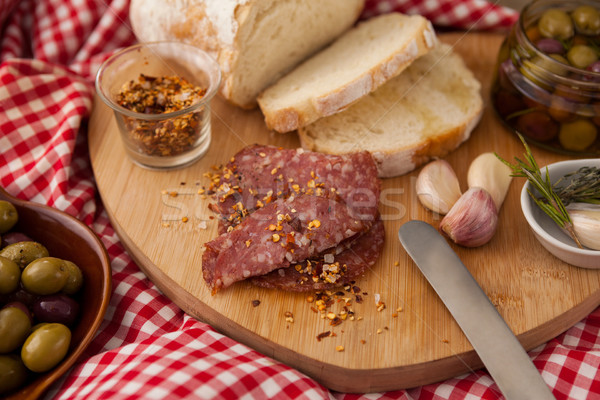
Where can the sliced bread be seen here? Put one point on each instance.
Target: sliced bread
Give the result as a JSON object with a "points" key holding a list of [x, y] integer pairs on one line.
{"points": [[425, 112], [358, 62], [254, 41]]}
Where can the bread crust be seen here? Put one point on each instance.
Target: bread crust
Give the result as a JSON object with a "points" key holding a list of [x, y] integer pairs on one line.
{"points": [[399, 159], [225, 29], [308, 110]]}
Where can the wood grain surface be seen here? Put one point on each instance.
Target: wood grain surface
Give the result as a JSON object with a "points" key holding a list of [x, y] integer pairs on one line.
{"points": [[414, 340]]}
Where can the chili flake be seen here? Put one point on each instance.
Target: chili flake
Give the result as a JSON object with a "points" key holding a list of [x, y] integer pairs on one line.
{"points": [[289, 317], [159, 95]]}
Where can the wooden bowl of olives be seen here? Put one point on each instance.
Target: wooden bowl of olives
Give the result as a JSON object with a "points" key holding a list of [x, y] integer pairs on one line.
{"points": [[62, 284], [547, 81]]}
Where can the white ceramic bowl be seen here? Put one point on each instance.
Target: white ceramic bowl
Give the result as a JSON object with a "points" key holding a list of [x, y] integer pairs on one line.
{"points": [[549, 234]]}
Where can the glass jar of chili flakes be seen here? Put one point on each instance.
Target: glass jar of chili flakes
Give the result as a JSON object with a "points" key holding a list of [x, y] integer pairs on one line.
{"points": [[547, 82], [160, 93]]}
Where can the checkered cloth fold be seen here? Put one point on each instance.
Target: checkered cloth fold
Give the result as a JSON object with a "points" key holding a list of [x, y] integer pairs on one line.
{"points": [[146, 346]]}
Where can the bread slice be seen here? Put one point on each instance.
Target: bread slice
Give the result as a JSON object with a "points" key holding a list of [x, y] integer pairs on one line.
{"points": [[255, 41], [357, 63], [425, 112]]}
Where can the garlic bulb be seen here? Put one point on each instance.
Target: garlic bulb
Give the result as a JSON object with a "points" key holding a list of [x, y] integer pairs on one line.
{"points": [[488, 172], [437, 186], [473, 219], [586, 223]]}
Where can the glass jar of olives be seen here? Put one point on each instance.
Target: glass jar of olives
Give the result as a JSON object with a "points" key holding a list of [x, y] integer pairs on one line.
{"points": [[547, 82]]}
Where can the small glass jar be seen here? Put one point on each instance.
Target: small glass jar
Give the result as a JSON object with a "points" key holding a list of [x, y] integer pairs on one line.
{"points": [[160, 93], [543, 95]]}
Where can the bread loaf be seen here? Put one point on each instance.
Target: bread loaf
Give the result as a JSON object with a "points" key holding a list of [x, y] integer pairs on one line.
{"points": [[357, 63], [254, 41], [427, 111]]}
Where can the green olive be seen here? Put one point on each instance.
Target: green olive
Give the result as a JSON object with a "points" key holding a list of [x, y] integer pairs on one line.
{"points": [[8, 216], [561, 109], [535, 73], [10, 275], [577, 135], [555, 23], [46, 275], [556, 68], [13, 373], [587, 20], [15, 325], [46, 347], [560, 59], [24, 252], [580, 56], [74, 278]]}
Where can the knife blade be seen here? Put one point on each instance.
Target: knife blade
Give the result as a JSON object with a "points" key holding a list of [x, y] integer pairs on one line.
{"points": [[499, 349]]}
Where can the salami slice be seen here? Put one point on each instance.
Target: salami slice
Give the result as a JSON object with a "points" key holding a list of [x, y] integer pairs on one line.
{"points": [[260, 174], [283, 232], [319, 274]]}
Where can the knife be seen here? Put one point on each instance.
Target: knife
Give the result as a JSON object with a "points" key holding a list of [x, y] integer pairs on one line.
{"points": [[499, 349]]}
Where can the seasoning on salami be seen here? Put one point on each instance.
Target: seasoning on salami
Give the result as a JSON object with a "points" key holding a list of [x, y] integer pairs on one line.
{"points": [[289, 207], [287, 230], [328, 270], [259, 174]]}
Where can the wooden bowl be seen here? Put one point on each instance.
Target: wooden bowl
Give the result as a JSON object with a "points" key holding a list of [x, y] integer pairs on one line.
{"points": [[66, 237]]}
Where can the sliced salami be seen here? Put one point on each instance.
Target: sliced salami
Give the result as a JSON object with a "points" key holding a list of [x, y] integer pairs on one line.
{"points": [[285, 231], [260, 174], [328, 271]]}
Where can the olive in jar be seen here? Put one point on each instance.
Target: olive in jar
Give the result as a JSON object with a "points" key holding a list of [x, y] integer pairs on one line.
{"points": [[577, 135], [548, 68], [555, 23], [581, 56], [587, 20], [537, 125]]}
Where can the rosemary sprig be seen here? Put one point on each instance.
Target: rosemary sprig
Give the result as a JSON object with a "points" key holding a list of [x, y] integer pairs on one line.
{"points": [[584, 186], [549, 202]]}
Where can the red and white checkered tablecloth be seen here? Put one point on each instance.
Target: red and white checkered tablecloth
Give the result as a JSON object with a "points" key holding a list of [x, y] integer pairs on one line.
{"points": [[147, 347]]}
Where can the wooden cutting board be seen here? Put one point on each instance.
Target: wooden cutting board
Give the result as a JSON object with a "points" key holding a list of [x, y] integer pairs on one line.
{"points": [[414, 340]]}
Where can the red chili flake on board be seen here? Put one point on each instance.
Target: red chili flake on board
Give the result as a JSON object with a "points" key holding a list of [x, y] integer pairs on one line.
{"points": [[255, 303], [323, 335]]}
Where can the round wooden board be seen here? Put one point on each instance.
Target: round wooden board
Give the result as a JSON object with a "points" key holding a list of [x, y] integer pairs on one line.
{"points": [[538, 295]]}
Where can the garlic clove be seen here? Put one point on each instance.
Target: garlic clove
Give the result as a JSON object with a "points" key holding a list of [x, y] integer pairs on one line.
{"points": [[473, 219], [488, 172], [586, 223], [437, 186]]}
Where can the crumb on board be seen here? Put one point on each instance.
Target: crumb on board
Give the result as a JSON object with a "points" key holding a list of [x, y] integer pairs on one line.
{"points": [[289, 317]]}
